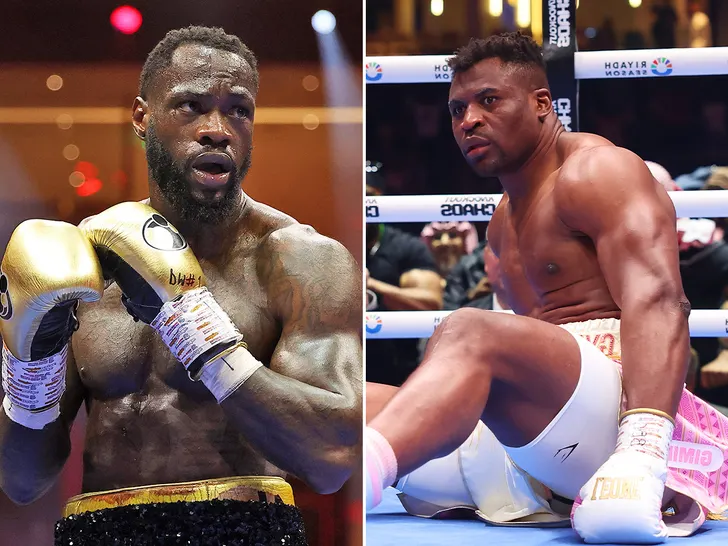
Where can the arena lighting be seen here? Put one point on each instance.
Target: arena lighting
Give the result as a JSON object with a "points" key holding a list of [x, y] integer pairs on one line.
{"points": [[126, 19], [437, 7], [495, 8], [635, 3], [523, 13], [88, 183], [323, 22]]}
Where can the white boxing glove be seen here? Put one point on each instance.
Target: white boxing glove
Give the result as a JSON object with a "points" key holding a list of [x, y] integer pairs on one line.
{"points": [[622, 502]]}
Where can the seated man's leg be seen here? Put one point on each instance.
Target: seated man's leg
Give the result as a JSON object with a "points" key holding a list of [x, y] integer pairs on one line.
{"points": [[378, 395], [514, 372], [524, 370]]}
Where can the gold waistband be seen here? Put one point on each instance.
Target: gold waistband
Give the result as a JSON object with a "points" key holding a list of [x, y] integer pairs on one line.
{"points": [[249, 488]]}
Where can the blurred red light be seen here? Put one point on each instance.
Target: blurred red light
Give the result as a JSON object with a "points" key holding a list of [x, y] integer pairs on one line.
{"points": [[89, 187], [88, 169], [126, 19]]}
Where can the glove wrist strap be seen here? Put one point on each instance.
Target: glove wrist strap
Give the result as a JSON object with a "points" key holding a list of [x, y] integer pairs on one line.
{"points": [[193, 324], [227, 372], [645, 432], [33, 389]]}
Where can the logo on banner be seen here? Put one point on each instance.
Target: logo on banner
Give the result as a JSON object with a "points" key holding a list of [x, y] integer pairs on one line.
{"points": [[436, 322], [442, 72], [371, 208], [373, 324], [626, 69], [468, 205], [661, 66], [373, 72], [562, 108], [560, 23]]}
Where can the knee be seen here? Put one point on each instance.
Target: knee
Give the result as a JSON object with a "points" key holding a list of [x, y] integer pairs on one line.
{"points": [[475, 330], [470, 322]]}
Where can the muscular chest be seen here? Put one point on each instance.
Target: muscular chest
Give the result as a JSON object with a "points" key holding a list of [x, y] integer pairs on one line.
{"points": [[539, 255], [116, 356]]}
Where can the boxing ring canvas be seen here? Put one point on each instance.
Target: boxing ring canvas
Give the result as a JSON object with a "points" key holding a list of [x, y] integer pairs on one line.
{"points": [[389, 525]]}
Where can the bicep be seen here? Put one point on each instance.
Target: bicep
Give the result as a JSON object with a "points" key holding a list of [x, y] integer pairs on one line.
{"points": [[639, 255], [318, 294], [615, 201], [331, 361]]}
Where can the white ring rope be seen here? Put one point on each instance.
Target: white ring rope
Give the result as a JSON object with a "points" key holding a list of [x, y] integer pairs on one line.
{"points": [[588, 65], [479, 208], [421, 324]]}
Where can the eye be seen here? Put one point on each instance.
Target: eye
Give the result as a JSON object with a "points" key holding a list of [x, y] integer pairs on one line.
{"points": [[241, 112], [190, 107], [456, 110], [489, 100]]}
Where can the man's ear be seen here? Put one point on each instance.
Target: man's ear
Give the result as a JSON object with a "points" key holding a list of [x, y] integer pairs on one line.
{"points": [[139, 117], [544, 105]]}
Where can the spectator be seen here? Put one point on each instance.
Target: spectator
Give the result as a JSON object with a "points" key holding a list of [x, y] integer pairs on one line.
{"points": [[449, 242], [402, 274], [466, 282]]}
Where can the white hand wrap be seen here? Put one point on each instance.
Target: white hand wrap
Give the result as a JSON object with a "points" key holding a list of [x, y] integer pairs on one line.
{"points": [[622, 502], [195, 323], [33, 390], [225, 374]]}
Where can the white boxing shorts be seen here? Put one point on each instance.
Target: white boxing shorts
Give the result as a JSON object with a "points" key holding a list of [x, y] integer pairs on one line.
{"points": [[513, 486]]}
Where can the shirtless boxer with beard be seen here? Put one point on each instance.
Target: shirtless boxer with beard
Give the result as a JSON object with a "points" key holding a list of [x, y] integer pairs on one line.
{"points": [[277, 384], [581, 388]]}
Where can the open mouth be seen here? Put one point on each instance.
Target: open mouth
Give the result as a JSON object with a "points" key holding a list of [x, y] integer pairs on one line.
{"points": [[212, 168]]}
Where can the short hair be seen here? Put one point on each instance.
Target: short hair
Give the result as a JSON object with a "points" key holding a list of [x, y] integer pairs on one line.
{"points": [[510, 47], [161, 56]]}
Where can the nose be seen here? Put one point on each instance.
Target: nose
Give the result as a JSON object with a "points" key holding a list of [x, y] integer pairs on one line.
{"points": [[213, 130], [472, 119]]}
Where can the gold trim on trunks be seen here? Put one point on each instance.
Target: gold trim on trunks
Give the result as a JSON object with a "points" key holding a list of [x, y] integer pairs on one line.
{"points": [[249, 488]]}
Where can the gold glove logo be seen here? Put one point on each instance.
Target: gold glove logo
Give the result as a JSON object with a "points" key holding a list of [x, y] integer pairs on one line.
{"points": [[6, 306], [617, 488], [161, 235]]}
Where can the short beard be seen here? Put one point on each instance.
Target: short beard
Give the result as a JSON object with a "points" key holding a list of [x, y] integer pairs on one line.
{"points": [[173, 181]]}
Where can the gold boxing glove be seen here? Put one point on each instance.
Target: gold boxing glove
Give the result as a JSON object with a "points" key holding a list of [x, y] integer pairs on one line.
{"points": [[162, 282], [47, 268]]}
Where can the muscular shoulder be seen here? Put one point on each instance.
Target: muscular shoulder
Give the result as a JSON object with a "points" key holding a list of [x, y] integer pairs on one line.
{"points": [[601, 172], [298, 241], [310, 280], [299, 251], [596, 182]]}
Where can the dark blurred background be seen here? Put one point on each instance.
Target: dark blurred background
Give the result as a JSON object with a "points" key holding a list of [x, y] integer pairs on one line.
{"points": [[680, 123], [68, 78]]}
